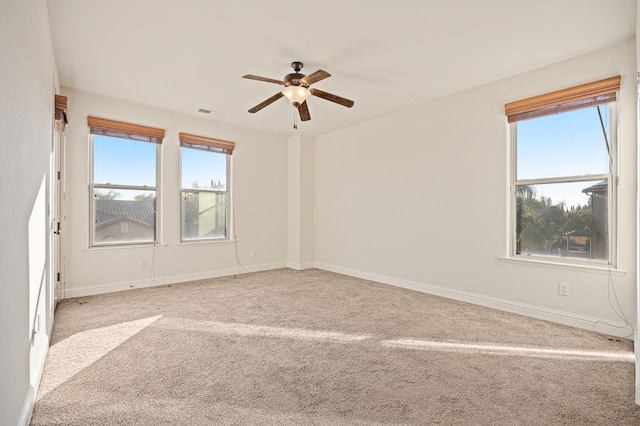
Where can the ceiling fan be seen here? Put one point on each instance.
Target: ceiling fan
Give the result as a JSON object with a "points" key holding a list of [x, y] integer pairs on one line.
{"points": [[296, 89]]}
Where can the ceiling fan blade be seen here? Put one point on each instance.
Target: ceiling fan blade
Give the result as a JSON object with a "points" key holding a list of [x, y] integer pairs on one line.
{"points": [[333, 98], [267, 79], [267, 102], [315, 77], [303, 109]]}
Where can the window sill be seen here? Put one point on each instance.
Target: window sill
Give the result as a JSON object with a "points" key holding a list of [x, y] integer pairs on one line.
{"points": [[98, 249], [580, 267], [201, 242]]}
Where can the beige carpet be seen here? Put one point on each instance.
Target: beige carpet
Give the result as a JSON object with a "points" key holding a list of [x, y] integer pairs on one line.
{"points": [[316, 348]]}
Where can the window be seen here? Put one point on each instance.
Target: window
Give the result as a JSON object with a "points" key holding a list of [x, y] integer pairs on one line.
{"points": [[205, 187], [563, 172], [124, 164]]}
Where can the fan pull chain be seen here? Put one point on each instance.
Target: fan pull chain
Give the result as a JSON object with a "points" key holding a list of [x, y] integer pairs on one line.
{"points": [[295, 118]]}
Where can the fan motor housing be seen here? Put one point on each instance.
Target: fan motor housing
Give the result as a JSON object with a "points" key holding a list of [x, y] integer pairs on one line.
{"points": [[294, 79]]}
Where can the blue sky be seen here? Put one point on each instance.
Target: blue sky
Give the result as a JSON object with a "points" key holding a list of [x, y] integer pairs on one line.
{"points": [[558, 145], [126, 162], [568, 144], [202, 166]]}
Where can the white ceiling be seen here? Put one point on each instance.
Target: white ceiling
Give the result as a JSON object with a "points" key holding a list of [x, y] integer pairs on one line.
{"points": [[384, 55]]}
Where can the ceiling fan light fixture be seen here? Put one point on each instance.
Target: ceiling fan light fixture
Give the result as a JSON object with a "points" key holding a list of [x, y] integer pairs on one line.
{"points": [[296, 94]]}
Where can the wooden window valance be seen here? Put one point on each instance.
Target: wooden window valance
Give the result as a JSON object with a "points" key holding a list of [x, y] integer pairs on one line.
{"points": [[118, 129], [206, 144], [585, 95], [61, 113]]}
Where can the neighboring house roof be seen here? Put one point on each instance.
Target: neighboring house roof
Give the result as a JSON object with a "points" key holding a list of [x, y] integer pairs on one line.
{"points": [[598, 187], [113, 211]]}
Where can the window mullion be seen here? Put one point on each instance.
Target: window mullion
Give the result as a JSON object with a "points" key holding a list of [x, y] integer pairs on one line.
{"points": [[133, 187], [563, 179], [199, 190]]}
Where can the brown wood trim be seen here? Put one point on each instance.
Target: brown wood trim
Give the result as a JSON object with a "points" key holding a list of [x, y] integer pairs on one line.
{"points": [[225, 146], [126, 130], [573, 94], [61, 102]]}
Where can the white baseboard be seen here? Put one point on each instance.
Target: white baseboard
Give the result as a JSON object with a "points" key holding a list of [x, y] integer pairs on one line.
{"points": [[566, 318], [30, 398], [27, 408], [637, 395], [300, 266], [43, 347], [72, 292]]}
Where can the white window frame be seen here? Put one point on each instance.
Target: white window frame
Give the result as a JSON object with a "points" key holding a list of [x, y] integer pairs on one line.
{"points": [[612, 199], [92, 203], [228, 196]]}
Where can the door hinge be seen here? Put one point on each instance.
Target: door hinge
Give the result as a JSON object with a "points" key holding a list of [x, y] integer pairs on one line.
{"points": [[58, 174], [58, 277], [57, 231]]}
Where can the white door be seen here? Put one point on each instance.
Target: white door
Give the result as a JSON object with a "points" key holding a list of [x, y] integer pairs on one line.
{"points": [[54, 293]]}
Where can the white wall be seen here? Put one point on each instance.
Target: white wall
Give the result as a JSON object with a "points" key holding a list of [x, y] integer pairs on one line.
{"points": [[27, 84], [307, 202], [419, 199], [301, 183], [259, 191]]}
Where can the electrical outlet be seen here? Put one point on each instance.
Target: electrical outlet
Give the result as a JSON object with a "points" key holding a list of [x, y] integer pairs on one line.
{"points": [[142, 264], [253, 252], [563, 289]]}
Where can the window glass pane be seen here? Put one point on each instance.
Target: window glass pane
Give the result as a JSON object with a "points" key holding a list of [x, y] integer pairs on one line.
{"points": [[124, 215], [204, 215], [124, 162], [563, 219], [203, 169], [567, 144]]}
